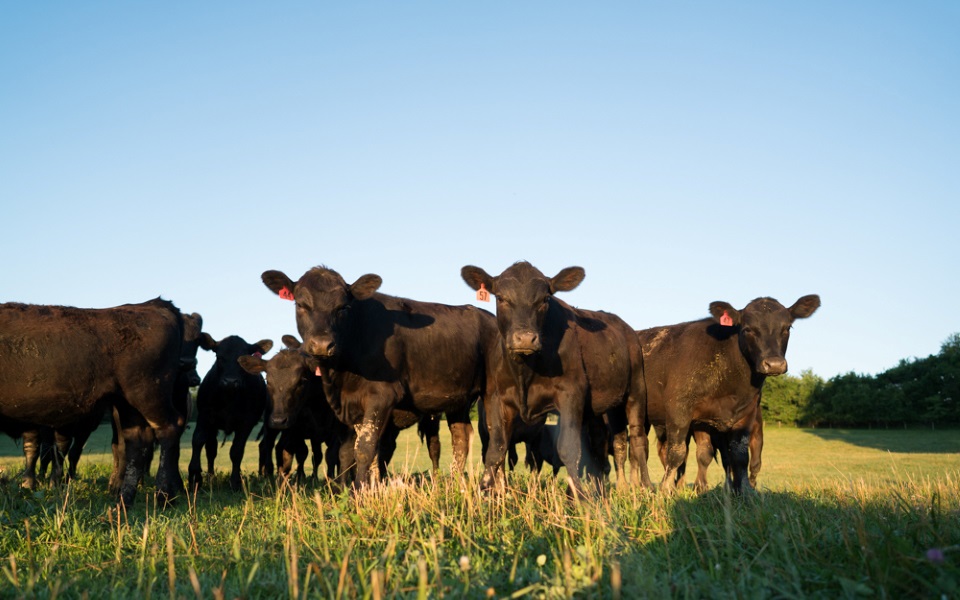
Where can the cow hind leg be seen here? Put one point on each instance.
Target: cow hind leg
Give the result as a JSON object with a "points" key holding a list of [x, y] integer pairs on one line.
{"points": [[617, 423], [133, 430], [31, 452], [674, 456], [705, 455]]}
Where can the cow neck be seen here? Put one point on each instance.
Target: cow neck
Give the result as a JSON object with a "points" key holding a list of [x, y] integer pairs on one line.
{"points": [[548, 363], [332, 384], [742, 363]]}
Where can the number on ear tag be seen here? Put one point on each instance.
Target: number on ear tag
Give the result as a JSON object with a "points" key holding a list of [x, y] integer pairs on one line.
{"points": [[725, 320], [286, 294], [482, 294]]}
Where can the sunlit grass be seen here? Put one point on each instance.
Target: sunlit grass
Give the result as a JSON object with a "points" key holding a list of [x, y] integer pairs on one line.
{"points": [[830, 522]]}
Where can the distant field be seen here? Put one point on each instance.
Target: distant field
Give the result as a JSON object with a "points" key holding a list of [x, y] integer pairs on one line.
{"points": [[790, 456]]}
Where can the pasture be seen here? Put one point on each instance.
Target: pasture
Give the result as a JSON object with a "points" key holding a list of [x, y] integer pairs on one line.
{"points": [[840, 514]]}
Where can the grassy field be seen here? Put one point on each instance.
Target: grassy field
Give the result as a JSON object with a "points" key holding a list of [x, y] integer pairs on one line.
{"points": [[840, 514]]}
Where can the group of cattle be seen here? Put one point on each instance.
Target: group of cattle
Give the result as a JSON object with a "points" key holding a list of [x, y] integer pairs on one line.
{"points": [[371, 364]]}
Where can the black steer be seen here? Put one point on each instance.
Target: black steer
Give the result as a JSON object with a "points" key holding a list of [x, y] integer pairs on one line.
{"points": [[377, 353], [552, 357], [229, 400], [62, 366], [704, 378]]}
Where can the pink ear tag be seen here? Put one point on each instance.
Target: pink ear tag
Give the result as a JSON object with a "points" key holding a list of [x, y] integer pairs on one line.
{"points": [[482, 294], [317, 372], [258, 355], [285, 293], [725, 320]]}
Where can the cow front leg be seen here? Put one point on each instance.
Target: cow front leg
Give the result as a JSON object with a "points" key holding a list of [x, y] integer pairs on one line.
{"points": [[266, 449], [570, 447], [737, 460], [199, 441], [368, 441], [461, 432], [237, 449]]}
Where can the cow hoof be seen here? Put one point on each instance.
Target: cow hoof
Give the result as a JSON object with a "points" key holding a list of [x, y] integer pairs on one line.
{"points": [[29, 484], [127, 498]]}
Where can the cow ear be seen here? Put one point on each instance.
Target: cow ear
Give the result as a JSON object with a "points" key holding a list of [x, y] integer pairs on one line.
{"points": [[725, 314], [804, 307], [263, 346], [192, 326], [207, 342], [278, 283], [365, 287], [567, 279], [252, 364], [290, 342], [475, 277]]}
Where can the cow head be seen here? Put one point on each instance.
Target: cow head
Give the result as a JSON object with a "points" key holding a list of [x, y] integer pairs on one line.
{"points": [[228, 351], [324, 302], [288, 375], [763, 329], [192, 328], [524, 295]]}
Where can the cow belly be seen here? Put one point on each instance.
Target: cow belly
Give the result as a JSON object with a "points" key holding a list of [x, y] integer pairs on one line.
{"points": [[50, 394], [725, 414]]}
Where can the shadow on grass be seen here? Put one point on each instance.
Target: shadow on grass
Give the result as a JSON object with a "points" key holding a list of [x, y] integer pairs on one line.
{"points": [[777, 544], [906, 441]]}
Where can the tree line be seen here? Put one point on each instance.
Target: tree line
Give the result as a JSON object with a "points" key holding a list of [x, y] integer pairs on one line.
{"points": [[917, 392]]}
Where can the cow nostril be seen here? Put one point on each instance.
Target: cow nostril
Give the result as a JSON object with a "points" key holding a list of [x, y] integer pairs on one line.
{"points": [[773, 366]]}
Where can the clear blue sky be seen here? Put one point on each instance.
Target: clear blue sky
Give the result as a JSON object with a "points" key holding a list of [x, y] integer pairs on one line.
{"points": [[679, 152]]}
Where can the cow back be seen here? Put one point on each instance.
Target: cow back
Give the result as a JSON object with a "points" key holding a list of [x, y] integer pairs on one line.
{"points": [[60, 362], [434, 353]]}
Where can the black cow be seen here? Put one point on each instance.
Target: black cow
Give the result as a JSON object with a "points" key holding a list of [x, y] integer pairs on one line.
{"points": [[298, 407], [706, 376], [229, 400], [553, 357], [62, 365], [377, 353], [67, 443]]}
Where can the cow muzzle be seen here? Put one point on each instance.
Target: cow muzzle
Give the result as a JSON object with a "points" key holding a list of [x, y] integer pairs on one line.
{"points": [[278, 421], [524, 343], [230, 383], [321, 348], [773, 366]]}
